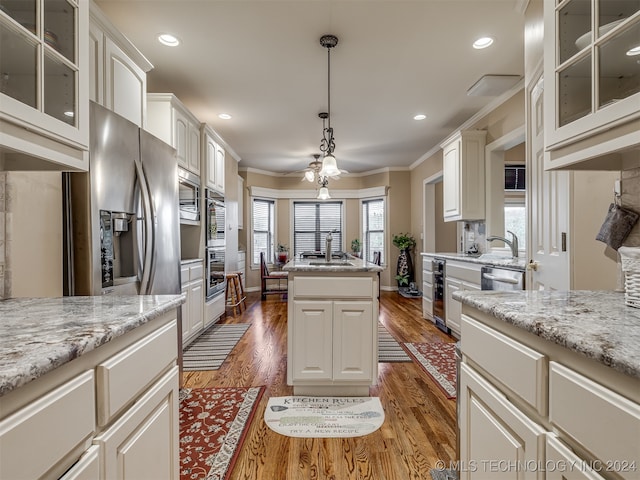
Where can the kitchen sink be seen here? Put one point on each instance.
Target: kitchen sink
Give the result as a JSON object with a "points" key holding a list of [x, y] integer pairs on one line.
{"points": [[494, 256], [337, 263]]}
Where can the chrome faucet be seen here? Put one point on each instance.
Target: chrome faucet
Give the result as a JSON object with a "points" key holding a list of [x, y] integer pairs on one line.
{"points": [[513, 244], [327, 247]]}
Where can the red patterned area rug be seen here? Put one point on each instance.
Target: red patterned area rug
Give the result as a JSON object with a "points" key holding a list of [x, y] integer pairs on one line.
{"points": [[213, 424], [439, 361]]}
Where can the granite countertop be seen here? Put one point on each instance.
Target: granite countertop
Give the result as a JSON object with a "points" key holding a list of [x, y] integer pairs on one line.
{"points": [[38, 335], [596, 324], [335, 266], [494, 260]]}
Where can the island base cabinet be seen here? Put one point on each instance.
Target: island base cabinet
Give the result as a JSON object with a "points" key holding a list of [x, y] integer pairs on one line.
{"points": [[143, 443], [497, 440], [334, 343], [87, 468]]}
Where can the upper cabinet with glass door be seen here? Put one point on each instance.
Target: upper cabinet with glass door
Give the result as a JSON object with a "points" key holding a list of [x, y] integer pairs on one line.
{"points": [[44, 103], [592, 83]]}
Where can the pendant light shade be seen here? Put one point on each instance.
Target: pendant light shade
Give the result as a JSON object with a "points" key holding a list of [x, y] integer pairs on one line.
{"points": [[309, 175], [329, 166], [323, 194]]}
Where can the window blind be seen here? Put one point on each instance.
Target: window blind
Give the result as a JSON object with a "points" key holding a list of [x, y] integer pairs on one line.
{"points": [[373, 229], [263, 214], [312, 221]]}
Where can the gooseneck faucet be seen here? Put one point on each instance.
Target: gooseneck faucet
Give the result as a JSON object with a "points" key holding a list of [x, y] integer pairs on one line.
{"points": [[513, 243], [327, 247]]}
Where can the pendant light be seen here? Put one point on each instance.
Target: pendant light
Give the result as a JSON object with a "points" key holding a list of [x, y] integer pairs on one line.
{"points": [[327, 145], [323, 193]]}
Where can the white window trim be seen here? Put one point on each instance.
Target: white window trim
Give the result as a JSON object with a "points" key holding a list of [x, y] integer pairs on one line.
{"points": [[256, 266], [383, 261]]}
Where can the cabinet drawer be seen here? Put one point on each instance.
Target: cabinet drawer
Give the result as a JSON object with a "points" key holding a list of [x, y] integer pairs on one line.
{"points": [[124, 376], [593, 415], [560, 456], [427, 308], [195, 272], [517, 366], [426, 264], [184, 274], [334, 287], [54, 426], [463, 271], [427, 290], [87, 468]]}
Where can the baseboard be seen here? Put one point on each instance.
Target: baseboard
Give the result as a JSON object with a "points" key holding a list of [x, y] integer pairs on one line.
{"points": [[252, 289]]}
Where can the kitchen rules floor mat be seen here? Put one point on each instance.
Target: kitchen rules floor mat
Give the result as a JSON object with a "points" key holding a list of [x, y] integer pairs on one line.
{"points": [[324, 417]]}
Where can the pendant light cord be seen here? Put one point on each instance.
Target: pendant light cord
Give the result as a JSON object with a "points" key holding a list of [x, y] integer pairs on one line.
{"points": [[329, 86]]}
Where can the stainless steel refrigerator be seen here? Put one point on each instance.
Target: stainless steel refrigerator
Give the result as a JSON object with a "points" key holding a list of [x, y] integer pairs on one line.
{"points": [[122, 222]]}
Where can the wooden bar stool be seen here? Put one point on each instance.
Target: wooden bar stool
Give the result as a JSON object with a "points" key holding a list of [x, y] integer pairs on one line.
{"points": [[235, 292]]}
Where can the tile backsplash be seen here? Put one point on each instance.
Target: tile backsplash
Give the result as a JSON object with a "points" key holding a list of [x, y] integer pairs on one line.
{"points": [[630, 199]]}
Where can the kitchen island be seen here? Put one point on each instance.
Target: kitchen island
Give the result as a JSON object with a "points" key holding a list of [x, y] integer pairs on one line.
{"points": [[550, 378], [332, 326], [88, 386]]}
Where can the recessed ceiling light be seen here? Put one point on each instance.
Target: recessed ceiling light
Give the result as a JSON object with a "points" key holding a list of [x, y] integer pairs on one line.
{"points": [[224, 116], [420, 116], [482, 42], [634, 51], [168, 40], [69, 113]]}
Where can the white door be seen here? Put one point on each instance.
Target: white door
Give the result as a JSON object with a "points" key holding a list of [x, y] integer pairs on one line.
{"points": [[548, 206], [353, 347], [312, 340]]}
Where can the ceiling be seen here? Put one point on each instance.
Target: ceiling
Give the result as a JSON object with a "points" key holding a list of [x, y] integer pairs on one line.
{"points": [[262, 62]]}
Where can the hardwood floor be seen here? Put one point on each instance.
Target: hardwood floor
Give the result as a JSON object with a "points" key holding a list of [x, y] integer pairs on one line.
{"points": [[420, 423]]}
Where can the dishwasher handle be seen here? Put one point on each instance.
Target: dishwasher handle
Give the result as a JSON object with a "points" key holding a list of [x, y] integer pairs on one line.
{"points": [[496, 278]]}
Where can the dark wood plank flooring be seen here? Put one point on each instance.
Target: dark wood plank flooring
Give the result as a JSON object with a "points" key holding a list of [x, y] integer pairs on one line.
{"points": [[420, 423]]}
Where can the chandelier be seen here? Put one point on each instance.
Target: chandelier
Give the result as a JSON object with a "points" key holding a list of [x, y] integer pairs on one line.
{"points": [[327, 144]]}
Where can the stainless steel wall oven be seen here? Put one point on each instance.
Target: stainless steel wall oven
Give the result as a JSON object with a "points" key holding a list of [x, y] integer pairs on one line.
{"points": [[216, 281], [215, 219]]}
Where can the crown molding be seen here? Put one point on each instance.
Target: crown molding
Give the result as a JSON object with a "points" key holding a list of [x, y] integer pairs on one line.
{"points": [[312, 194]]}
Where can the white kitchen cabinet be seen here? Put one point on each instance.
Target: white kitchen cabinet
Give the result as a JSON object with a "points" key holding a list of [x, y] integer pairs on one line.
{"points": [[169, 120], [334, 343], [143, 443], [240, 203], [118, 73], [122, 399], [517, 388], [427, 289], [44, 93], [463, 176], [458, 276], [214, 158], [333, 340], [591, 83], [495, 437], [192, 309]]}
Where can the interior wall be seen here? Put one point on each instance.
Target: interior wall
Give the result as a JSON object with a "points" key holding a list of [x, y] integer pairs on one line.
{"points": [[32, 234], [398, 221], [594, 265], [446, 232]]}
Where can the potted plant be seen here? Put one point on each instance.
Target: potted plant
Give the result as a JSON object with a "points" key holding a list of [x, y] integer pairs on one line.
{"points": [[404, 268], [356, 247], [282, 253]]}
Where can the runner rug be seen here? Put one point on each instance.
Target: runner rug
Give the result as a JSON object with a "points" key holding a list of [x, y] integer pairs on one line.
{"points": [[324, 417], [210, 350], [213, 424], [438, 360], [389, 350]]}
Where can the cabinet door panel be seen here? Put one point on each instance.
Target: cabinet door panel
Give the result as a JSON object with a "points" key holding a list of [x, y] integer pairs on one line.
{"points": [[453, 308], [451, 186], [220, 159], [210, 154], [193, 150], [563, 464], [87, 468], [312, 335], [143, 443], [353, 341], [180, 138], [495, 435], [126, 84], [196, 301]]}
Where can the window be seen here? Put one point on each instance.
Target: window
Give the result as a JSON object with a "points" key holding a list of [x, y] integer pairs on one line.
{"points": [[373, 229], [263, 213], [312, 221]]}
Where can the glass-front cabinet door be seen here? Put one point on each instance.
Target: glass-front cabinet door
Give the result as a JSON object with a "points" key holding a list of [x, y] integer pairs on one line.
{"points": [[591, 70], [43, 67]]}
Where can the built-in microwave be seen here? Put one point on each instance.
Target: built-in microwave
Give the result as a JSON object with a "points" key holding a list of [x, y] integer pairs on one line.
{"points": [[215, 219], [189, 197]]}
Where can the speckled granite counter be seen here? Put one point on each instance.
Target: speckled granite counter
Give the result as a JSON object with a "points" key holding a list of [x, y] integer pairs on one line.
{"points": [[596, 324], [38, 335], [496, 261], [351, 264]]}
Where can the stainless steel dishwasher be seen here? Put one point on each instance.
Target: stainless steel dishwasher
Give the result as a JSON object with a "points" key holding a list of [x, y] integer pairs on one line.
{"points": [[501, 278]]}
